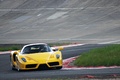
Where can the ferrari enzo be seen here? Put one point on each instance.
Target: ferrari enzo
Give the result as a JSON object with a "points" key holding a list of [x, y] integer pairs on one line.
{"points": [[36, 56]]}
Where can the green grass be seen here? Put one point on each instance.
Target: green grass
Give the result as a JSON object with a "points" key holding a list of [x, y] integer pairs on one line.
{"points": [[9, 47], [106, 56]]}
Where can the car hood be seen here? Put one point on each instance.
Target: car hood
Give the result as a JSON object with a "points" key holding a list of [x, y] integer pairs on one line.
{"points": [[38, 57]]}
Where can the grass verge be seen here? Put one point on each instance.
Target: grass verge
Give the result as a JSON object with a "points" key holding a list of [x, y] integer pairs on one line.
{"points": [[9, 47], [106, 56]]}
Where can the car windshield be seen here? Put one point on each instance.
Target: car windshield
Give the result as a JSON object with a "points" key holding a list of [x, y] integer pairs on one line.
{"points": [[36, 49]]}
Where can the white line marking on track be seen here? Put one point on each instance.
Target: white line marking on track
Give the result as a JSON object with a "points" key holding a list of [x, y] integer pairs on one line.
{"points": [[108, 42]]}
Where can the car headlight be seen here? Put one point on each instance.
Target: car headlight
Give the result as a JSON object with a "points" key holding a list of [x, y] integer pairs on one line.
{"points": [[57, 56], [23, 59]]}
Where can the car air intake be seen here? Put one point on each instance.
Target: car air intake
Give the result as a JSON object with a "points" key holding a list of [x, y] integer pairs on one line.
{"points": [[53, 63], [43, 66], [31, 65]]}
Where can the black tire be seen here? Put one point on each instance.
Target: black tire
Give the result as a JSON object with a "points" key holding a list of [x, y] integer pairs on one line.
{"points": [[19, 70], [13, 68], [60, 67]]}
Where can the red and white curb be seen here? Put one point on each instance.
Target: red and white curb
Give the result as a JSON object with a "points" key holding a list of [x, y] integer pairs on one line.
{"points": [[5, 52], [67, 66]]}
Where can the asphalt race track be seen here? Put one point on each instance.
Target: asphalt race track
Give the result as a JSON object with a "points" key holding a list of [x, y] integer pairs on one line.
{"points": [[90, 22], [83, 21], [7, 74]]}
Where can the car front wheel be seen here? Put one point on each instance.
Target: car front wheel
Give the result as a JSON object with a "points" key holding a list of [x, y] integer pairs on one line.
{"points": [[60, 67]]}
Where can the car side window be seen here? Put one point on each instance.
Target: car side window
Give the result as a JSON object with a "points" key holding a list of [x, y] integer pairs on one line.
{"points": [[45, 49]]}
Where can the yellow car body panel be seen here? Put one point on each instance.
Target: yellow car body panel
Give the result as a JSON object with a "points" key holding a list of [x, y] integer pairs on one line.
{"points": [[39, 60]]}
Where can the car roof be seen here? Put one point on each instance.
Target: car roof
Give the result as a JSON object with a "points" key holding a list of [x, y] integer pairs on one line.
{"points": [[35, 44]]}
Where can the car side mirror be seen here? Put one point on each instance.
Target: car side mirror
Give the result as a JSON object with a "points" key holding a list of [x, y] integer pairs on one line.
{"points": [[56, 49], [18, 50], [60, 48]]}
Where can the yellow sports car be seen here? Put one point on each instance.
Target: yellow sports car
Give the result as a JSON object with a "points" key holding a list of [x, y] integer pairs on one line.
{"points": [[36, 56]]}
